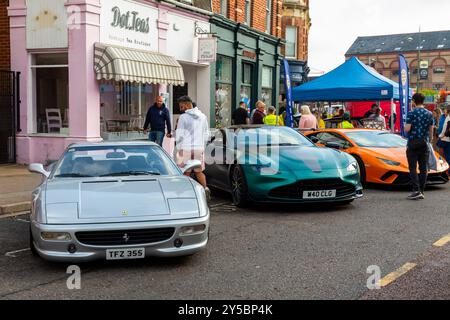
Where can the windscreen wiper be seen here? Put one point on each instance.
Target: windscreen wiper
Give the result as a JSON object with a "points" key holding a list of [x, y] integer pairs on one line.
{"points": [[132, 173], [73, 175]]}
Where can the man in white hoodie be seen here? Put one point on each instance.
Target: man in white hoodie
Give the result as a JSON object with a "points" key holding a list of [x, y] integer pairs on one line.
{"points": [[192, 135]]}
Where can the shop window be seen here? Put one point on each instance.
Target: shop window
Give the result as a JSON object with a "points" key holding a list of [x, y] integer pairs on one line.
{"points": [[124, 106], [246, 86], [51, 89], [267, 91], [291, 42], [224, 91]]}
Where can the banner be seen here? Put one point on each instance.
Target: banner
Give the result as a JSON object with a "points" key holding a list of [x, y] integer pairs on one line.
{"points": [[404, 91], [289, 102]]}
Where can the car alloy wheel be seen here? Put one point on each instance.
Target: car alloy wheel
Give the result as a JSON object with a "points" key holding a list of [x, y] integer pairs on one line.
{"points": [[239, 188]]}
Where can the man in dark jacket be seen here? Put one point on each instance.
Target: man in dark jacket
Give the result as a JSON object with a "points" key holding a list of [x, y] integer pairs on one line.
{"points": [[158, 117]]}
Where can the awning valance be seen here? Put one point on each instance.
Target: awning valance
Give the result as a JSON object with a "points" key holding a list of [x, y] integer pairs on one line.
{"points": [[123, 64]]}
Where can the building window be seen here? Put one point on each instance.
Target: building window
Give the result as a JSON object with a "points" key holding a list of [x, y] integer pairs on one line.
{"points": [[51, 88], [246, 86], [224, 91], [291, 42], [267, 90], [123, 106], [224, 8], [248, 12], [268, 15]]}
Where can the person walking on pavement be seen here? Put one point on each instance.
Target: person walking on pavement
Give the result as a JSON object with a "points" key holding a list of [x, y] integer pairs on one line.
{"points": [[191, 136], [379, 118], [419, 127], [240, 116], [260, 113], [158, 117], [371, 111]]}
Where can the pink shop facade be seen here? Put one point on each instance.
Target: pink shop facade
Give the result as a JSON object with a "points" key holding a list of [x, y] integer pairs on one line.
{"points": [[68, 95]]}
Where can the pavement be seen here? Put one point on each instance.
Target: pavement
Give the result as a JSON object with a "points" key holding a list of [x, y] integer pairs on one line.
{"points": [[16, 184], [265, 252]]}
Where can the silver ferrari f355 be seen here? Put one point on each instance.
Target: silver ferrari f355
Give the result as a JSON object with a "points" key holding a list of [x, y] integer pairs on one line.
{"points": [[115, 201]]}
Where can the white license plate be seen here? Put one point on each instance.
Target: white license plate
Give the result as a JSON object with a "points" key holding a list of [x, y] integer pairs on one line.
{"points": [[321, 194], [125, 254]]}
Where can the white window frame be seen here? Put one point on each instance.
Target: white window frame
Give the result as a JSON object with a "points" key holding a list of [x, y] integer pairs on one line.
{"points": [[32, 92], [295, 41], [248, 12], [268, 16], [224, 8]]}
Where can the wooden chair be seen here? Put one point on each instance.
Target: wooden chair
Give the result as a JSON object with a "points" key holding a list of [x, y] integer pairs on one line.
{"points": [[54, 121]]}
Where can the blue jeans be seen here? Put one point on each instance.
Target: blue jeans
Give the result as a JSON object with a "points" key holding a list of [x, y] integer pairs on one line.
{"points": [[157, 137]]}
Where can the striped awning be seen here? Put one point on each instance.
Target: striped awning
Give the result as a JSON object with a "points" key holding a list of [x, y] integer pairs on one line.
{"points": [[123, 64]]}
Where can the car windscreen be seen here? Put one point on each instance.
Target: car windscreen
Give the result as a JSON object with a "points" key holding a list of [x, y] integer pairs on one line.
{"points": [[107, 161], [377, 139], [270, 136]]}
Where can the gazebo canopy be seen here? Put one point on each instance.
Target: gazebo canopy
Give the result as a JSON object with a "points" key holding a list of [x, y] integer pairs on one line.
{"points": [[351, 81]]}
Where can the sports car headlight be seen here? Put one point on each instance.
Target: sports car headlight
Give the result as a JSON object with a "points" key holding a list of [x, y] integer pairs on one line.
{"points": [[353, 167], [56, 236], [390, 162]]}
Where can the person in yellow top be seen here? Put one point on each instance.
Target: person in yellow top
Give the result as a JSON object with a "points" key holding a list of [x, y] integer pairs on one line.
{"points": [[346, 124], [321, 120], [272, 119]]}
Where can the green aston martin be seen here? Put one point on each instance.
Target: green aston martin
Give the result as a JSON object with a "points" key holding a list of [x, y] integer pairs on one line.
{"points": [[278, 164]]}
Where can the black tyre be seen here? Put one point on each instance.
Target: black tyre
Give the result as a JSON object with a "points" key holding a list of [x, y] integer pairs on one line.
{"points": [[239, 188], [32, 247], [362, 169]]}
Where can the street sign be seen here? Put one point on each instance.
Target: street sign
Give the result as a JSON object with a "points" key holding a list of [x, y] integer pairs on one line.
{"points": [[423, 74]]}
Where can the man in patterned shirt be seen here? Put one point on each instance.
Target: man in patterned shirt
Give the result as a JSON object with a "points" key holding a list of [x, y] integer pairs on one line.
{"points": [[419, 126]]}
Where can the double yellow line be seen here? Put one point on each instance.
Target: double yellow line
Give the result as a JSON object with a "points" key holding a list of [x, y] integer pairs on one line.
{"points": [[387, 280]]}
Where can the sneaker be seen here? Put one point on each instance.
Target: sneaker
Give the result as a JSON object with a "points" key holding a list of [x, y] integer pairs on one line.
{"points": [[416, 196], [208, 194]]}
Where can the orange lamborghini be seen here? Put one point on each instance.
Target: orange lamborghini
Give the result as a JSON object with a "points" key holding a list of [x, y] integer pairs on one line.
{"points": [[381, 155]]}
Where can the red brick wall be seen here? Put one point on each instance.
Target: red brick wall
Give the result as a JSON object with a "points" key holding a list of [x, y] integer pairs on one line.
{"points": [[236, 12], [5, 59]]}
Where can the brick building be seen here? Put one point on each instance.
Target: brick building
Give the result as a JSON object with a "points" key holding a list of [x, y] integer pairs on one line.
{"points": [[381, 52], [295, 25], [262, 15], [4, 36], [248, 55]]}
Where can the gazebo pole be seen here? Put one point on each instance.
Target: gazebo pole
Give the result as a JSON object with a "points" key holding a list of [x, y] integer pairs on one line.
{"points": [[393, 107]]}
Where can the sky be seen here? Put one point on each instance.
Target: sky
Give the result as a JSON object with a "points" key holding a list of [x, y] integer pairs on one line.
{"points": [[337, 23]]}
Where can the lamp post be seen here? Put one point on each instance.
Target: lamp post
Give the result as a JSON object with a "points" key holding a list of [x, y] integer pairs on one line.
{"points": [[419, 51]]}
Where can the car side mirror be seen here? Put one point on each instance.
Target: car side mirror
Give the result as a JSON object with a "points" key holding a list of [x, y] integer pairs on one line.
{"points": [[191, 165], [38, 168]]}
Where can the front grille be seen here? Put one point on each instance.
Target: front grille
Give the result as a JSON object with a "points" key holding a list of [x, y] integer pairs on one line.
{"points": [[404, 179], [124, 237], [295, 191]]}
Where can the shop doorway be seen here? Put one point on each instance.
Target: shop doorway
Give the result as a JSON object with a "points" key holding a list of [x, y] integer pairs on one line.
{"points": [[9, 114]]}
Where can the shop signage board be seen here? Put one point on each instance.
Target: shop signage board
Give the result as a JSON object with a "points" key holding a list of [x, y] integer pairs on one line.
{"points": [[46, 24], [129, 24], [207, 50]]}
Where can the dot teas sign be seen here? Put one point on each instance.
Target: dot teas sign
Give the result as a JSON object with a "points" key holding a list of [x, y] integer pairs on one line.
{"points": [[129, 24], [207, 50]]}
